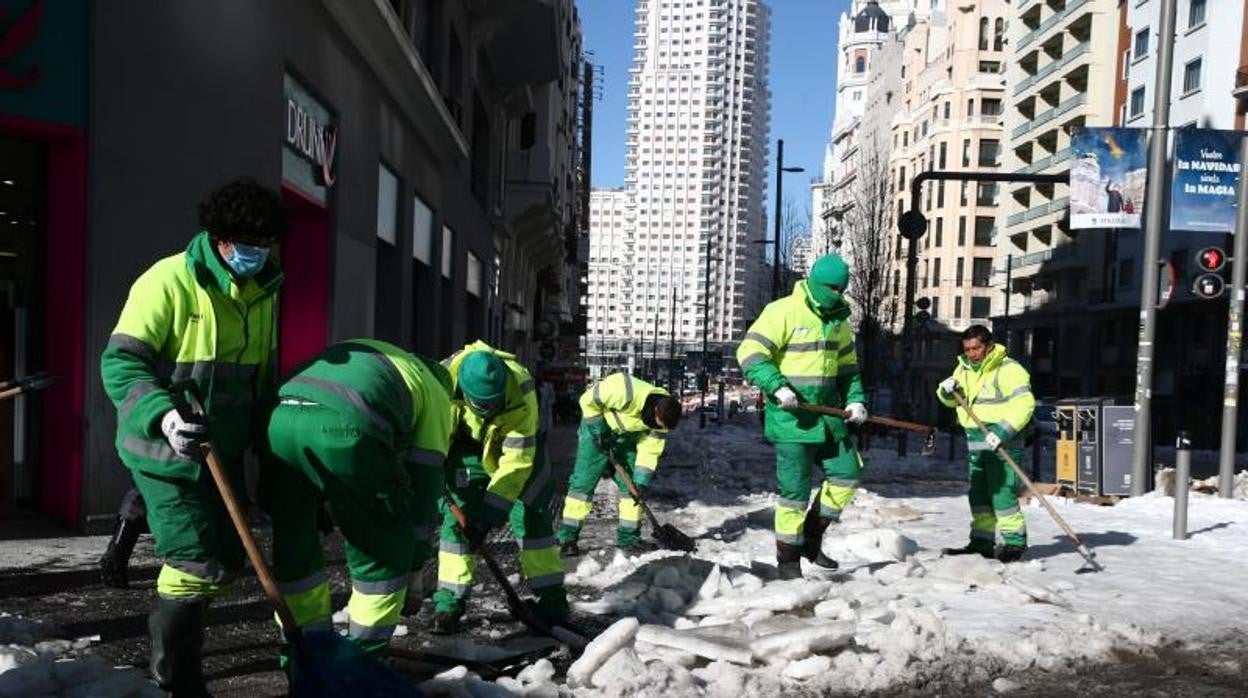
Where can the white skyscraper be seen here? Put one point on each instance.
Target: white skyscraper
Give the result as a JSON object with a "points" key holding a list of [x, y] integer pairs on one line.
{"points": [[698, 125], [609, 341]]}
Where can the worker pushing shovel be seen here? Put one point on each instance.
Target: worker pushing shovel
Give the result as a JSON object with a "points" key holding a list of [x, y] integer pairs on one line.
{"points": [[992, 396]]}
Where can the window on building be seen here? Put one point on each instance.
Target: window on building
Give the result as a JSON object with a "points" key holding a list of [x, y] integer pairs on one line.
{"points": [[970, 107], [962, 201], [998, 34], [905, 139], [940, 194], [987, 195], [959, 273], [935, 278], [989, 152], [448, 251], [387, 205], [940, 229], [991, 67], [957, 307], [981, 271], [981, 308], [983, 33], [896, 282], [936, 299], [860, 64], [1137, 101], [966, 152], [990, 107], [901, 180], [1141, 43], [984, 230], [422, 231], [946, 112], [943, 151], [1196, 13], [1191, 74]]}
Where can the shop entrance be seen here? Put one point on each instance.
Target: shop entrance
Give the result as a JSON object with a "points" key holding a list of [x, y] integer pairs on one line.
{"points": [[305, 291], [23, 272]]}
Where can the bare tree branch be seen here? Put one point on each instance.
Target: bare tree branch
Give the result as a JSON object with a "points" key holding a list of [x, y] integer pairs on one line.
{"points": [[869, 243]]}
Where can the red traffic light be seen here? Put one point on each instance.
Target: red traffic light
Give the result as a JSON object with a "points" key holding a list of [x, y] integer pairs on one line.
{"points": [[1211, 259], [1208, 286]]}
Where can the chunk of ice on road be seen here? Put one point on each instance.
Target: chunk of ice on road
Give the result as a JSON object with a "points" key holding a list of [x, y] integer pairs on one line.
{"points": [[1004, 685], [689, 642], [808, 668], [588, 567], [710, 585], [834, 609], [777, 597], [669, 655], [621, 670], [878, 545], [971, 570], [600, 649], [795, 644], [744, 581]]}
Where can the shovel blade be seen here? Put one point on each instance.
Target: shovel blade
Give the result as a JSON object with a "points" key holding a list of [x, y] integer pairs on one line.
{"points": [[673, 539]]}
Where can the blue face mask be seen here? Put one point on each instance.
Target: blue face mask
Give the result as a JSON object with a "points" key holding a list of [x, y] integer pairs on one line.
{"points": [[247, 260]]}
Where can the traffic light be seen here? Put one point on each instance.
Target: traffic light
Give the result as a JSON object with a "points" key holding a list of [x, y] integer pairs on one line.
{"points": [[922, 315], [1211, 259], [1209, 284], [912, 224]]}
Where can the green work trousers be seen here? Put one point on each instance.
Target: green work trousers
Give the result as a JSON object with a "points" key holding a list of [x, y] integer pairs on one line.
{"points": [[841, 466], [994, 501], [592, 463]]}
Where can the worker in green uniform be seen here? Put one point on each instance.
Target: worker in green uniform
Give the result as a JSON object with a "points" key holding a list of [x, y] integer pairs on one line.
{"points": [[801, 349], [365, 427], [498, 473], [998, 389], [205, 314], [628, 419]]}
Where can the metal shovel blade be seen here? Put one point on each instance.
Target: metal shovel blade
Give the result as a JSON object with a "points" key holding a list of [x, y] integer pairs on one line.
{"points": [[672, 538]]}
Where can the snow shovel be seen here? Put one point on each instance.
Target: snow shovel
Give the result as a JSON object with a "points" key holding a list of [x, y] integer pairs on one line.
{"points": [[522, 611], [324, 663], [29, 384], [667, 535], [1082, 549], [929, 432]]}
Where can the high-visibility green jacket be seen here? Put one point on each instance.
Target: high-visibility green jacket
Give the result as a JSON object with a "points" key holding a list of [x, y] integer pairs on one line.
{"points": [[999, 391], [509, 438], [187, 317], [792, 344], [400, 398], [616, 403]]}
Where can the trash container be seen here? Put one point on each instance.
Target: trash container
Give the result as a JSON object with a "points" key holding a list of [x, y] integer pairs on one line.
{"points": [[1094, 441]]}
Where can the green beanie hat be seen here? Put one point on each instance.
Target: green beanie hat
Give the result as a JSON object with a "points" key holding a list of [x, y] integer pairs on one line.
{"points": [[483, 380], [830, 270]]}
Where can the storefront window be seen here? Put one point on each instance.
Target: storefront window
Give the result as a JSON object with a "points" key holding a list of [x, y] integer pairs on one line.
{"points": [[387, 204], [422, 231]]}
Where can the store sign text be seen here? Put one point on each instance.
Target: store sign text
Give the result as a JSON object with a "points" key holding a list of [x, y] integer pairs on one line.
{"points": [[314, 141]]}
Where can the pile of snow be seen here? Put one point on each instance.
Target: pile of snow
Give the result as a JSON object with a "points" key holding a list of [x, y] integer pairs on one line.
{"points": [[1164, 482], [34, 662]]}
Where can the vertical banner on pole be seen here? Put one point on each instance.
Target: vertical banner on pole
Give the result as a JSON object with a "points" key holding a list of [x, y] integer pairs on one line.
{"points": [[1206, 173], [1107, 177]]}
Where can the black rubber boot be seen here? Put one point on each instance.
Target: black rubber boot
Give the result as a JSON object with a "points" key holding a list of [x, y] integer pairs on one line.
{"points": [[788, 561], [813, 531], [177, 632], [641, 546], [1010, 553], [446, 622], [972, 548], [115, 562]]}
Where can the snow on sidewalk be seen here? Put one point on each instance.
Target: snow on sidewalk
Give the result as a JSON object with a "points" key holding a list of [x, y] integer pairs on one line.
{"points": [[34, 662], [898, 613]]}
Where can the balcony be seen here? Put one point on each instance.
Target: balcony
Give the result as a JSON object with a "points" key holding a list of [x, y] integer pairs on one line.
{"points": [[1035, 212], [1049, 23], [1059, 253]]}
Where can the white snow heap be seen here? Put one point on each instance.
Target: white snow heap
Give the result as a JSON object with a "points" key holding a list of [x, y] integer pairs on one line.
{"points": [[35, 662]]}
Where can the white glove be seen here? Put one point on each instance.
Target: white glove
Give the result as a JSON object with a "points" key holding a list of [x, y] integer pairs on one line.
{"points": [[185, 437], [949, 386], [787, 398], [992, 440], [857, 413]]}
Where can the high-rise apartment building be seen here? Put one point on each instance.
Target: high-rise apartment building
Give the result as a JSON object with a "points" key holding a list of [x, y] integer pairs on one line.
{"points": [[698, 124], [609, 346]]}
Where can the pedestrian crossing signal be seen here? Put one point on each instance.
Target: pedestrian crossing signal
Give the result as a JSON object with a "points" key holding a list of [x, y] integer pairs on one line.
{"points": [[1208, 286], [1211, 259]]}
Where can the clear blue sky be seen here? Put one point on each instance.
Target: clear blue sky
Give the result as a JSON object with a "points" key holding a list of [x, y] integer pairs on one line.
{"points": [[803, 87]]}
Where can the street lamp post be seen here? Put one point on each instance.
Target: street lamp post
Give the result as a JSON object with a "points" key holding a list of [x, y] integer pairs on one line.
{"points": [[780, 170]]}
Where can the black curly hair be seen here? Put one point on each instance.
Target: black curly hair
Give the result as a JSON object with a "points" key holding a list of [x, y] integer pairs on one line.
{"points": [[243, 211]]}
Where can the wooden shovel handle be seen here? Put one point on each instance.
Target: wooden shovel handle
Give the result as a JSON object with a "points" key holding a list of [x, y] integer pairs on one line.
{"points": [[883, 421]]}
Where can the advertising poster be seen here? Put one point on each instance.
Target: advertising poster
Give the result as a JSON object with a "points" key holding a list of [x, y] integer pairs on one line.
{"points": [[1206, 174], [1107, 177]]}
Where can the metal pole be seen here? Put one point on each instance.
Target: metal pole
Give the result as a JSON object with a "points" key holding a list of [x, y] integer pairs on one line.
{"points": [[1182, 473], [1009, 276], [1234, 334], [775, 271], [706, 331], [1141, 457], [671, 347], [654, 351]]}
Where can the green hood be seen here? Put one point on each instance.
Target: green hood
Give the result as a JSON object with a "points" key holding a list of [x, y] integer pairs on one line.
{"points": [[210, 272], [839, 311], [995, 356]]}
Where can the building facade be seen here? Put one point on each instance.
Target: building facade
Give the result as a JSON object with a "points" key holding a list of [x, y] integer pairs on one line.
{"points": [[698, 121], [612, 224], [403, 136]]}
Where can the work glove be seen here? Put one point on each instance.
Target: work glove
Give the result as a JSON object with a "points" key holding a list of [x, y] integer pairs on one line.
{"points": [[787, 398], [857, 413], [992, 440], [949, 386], [185, 437]]}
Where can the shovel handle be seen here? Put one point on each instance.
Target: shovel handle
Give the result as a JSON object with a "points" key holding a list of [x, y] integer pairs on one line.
{"points": [[187, 391], [882, 421], [632, 489]]}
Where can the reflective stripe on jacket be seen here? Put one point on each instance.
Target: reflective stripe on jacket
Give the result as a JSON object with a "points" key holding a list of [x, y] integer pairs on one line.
{"points": [[619, 400], [791, 344], [187, 317]]}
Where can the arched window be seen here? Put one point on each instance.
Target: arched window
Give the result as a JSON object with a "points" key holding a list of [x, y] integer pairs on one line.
{"points": [[998, 35], [860, 64], [983, 33]]}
